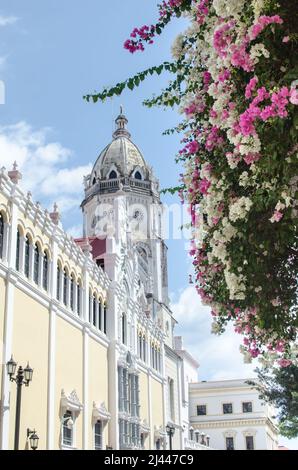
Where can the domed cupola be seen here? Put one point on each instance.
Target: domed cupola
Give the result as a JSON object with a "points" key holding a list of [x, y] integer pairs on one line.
{"points": [[120, 165]]}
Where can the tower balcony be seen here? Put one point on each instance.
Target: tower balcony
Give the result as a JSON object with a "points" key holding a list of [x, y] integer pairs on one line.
{"points": [[114, 185]]}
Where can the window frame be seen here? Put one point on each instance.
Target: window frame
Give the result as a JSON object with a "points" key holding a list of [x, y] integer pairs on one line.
{"points": [[72, 292], [227, 438], [65, 287], [2, 236], [202, 405], [98, 434], [252, 440], [68, 415], [79, 298], [27, 256], [18, 251], [113, 172], [36, 263], [225, 405], [246, 403], [45, 271], [124, 329], [59, 278]]}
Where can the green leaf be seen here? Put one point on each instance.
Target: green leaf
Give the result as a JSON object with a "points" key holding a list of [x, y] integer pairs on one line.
{"points": [[130, 84]]}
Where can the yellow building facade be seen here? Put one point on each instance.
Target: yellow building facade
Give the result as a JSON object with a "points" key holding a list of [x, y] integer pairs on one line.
{"points": [[91, 315]]}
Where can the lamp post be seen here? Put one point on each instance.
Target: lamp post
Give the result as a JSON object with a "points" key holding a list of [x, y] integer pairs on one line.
{"points": [[170, 429], [203, 435], [33, 439], [23, 377]]}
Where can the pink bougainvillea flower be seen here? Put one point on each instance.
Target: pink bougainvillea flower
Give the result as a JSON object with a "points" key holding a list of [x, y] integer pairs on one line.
{"points": [[284, 362], [294, 96], [277, 216]]}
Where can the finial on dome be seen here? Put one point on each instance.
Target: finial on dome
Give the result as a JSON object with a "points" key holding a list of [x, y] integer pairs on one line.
{"points": [[121, 123]]}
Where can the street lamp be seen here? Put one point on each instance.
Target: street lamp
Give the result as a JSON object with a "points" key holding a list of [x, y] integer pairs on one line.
{"points": [[197, 434], [33, 439], [170, 429], [23, 377]]}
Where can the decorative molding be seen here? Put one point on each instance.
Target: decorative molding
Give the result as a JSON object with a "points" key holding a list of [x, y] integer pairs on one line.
{"points": [[101, 413], [232, 433], [226, 424], [160, 433], [70, 402], [145, 428]]}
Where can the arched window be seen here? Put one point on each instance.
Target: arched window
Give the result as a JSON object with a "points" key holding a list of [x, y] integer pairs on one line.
{"points": [[138, 175], [36, 263], [94, 181], [72, 292], [45, 274], [94, 310], [79, 299], [105, 319], [98, 435], [112, 175], [159, 360], [144, 348], [152, 355], [65, 287], [1, 236], [18, 251], [27, 256], [140, 345], [59, 277], [124, 328], [90, 306], [99, 315], [67, 431]]}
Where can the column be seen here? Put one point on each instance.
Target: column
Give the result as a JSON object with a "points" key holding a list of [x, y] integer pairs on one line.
{"points": [[8, 329], [52, 349], [86, 420], [85, 316], [112, 329], [150, 404]]}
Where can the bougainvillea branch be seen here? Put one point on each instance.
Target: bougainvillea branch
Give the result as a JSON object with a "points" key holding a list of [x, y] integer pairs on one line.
{"points": [[236, 85]]}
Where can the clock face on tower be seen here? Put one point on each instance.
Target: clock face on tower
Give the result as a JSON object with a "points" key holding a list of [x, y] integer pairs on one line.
{"points": [[138, 215], [138, 221]]}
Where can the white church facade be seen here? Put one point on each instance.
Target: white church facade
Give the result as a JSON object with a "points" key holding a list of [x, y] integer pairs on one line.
{"points": [[92, 316]]}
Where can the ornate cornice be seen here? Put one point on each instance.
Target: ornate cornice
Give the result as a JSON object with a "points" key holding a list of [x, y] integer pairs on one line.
{"points": [[100, 412], [229, 423], [70, 402]]}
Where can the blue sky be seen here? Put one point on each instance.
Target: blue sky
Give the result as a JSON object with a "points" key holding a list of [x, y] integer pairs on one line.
{"points": [[51, 54]]}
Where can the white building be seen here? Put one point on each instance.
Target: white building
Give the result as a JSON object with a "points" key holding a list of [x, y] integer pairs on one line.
{"points": [[231, 413]]}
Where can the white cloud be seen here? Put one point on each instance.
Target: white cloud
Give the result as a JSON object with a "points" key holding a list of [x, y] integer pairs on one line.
{"points": [[3, 60], [46, 166], [68, 179], [219, 356], [7, 20], [76, 231]]}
